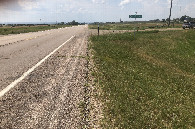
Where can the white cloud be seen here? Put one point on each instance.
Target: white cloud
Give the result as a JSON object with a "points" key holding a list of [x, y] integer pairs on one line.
{"points": [[124, 2], [93, 10], [156, 1], [28, 4], [82, 10], [98, 1]]}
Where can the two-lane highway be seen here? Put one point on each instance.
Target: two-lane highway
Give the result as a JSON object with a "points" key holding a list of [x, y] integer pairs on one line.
{"points": [[17, 58], [49, 74]]}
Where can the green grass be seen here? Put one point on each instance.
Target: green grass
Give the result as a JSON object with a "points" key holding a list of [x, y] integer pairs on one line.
{"points": [[147, 81], [26, 29], [131, 26]]}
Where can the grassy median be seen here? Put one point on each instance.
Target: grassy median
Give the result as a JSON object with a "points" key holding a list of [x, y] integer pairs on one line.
{"points": [[26, 29], [147, 81]]}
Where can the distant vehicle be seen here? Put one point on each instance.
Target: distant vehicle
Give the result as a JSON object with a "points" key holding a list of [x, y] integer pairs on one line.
{"points": [[186, 25], [189, 25], [192, 25]]}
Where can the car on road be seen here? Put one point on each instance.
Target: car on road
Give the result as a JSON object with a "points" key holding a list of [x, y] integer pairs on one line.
{"points": [[192, 25]]}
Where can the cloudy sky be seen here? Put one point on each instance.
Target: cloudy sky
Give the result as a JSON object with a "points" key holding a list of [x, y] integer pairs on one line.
{"points": [[90, 10]]}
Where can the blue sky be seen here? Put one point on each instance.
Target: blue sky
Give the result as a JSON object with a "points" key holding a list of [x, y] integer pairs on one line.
{"points": [[91, 10]]}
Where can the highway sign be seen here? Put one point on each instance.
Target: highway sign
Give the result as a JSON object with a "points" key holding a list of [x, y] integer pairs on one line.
{"points": [[135, 16]]}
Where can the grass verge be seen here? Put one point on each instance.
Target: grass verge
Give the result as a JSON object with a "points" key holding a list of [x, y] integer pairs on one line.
{"points": [[147, 81], [26, 29], [131, 26]]}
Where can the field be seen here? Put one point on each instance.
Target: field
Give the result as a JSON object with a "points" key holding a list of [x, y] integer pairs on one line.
{"points": [[146, 81], [26, 29], [131, 26]]}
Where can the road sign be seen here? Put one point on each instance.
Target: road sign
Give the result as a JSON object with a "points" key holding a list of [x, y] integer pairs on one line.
{"points": [[135, 16]]}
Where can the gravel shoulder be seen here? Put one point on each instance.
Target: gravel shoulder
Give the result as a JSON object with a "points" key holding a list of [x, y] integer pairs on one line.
{"points": [[51, 95]]}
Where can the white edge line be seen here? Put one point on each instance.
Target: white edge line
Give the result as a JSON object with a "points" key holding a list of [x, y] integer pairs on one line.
{"points": [[13, 84]]}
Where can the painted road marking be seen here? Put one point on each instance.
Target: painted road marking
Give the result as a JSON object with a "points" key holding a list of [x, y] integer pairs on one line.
{"points": [[13, 84]]}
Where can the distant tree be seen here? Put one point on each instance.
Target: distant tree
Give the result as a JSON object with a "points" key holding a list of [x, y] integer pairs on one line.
{"points": [[183, 18], [163, 20], [176, 20], [167, 20], [156, 20], [187, 18], [74, 22]]}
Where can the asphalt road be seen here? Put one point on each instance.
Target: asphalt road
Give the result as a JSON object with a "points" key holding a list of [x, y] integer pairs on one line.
{"points": [[50, 96], [25, 50]]}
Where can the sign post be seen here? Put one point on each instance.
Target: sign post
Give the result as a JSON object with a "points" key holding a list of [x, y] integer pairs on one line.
{"points": [[135, 23], [98, 29], [135, 16]]}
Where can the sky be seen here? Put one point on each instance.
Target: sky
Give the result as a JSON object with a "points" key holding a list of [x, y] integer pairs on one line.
{"points": [[44, 11]]}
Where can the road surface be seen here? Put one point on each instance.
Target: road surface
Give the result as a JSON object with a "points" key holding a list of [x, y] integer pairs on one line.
{"points": [[50, 94]]}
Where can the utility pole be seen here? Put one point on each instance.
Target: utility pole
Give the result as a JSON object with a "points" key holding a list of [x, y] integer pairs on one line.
{"points": [[170, 13]]}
